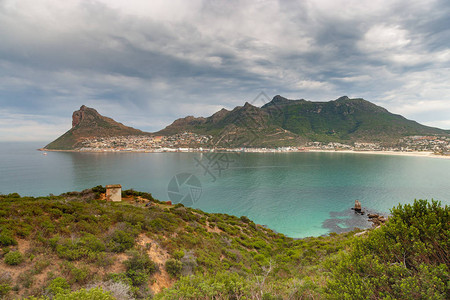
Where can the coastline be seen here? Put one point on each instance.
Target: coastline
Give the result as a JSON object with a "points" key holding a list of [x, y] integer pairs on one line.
{"points": [[394, 153], [174, 150]]}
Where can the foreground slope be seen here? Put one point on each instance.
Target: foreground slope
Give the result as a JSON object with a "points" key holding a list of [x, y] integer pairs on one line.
{"points": [[86, 123], [77, 246]]}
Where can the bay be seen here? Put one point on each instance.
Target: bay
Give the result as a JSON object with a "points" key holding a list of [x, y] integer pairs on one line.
{"points": [[298, 194]]}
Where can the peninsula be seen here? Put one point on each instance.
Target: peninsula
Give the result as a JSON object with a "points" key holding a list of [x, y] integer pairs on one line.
{"points": [[283, 125]]}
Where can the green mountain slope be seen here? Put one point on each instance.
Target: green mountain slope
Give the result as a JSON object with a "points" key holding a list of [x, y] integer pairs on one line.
{"points": [[343, 119], [87, 122], [291, 122], [281, 122], [57, 246]]}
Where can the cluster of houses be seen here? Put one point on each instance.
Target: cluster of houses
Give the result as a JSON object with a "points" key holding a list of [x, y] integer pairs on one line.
{"points": [[144, 143], [192, 142], [438, 144]]}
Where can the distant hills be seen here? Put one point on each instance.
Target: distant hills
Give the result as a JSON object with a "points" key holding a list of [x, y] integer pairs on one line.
{"points": [[281, 122]]}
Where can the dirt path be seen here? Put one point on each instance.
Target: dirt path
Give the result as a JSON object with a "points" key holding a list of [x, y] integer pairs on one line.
{"points": [[159, 256]]}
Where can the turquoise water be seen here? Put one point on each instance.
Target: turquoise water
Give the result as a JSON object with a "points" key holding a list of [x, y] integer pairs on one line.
{"points": [[298, 194]]}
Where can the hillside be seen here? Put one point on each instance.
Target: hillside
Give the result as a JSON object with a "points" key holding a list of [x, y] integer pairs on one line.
{"points": [[291, 122], [87, 122], [281, 122], [78, 246]]}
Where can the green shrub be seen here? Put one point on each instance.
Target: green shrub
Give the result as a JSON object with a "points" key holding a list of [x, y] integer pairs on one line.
{"points": [[58, 285], [225, 285], [14, 258], [174, 267], [178, 254], [71, 250], [92, 243], [139, 267], [121, 241], [4, 289], [6, 238], [245, 219], [408, 258]]}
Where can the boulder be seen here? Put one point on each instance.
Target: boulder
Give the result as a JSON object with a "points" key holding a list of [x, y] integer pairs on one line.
{"points": [[357, 206]]}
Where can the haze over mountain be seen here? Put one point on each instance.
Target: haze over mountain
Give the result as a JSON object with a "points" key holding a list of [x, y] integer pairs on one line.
{"points": [[281, 122]]}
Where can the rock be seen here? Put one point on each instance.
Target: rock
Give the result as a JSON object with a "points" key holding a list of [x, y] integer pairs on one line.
{"points": [[357, 206], [377, 220], [360, 233], [77, 116]]}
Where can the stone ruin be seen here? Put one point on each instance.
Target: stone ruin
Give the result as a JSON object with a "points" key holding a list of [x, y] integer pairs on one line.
{"points": [[114, 192]]}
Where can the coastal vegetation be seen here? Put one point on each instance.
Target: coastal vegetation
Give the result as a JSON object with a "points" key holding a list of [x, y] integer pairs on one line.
{"points": [[79, 246]]}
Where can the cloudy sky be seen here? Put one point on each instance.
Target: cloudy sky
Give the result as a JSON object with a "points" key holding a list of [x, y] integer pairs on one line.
{"points": [[146, 63]]}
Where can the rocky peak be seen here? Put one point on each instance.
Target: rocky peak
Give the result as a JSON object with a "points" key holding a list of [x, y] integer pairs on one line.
{"points": [[77, 116], [278, 99], [343, 98]]}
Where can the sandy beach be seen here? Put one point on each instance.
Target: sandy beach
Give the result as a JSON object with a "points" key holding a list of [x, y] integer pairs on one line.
{"points": [[397, 153]]}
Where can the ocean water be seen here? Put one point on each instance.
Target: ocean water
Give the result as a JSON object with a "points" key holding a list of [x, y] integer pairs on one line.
{"points": [[298, 194]]}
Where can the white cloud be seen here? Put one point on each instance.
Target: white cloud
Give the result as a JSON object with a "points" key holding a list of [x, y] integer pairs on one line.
{"points": [[383, 37], [156, 60]]}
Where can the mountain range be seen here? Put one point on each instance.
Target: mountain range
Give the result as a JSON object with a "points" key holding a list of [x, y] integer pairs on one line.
{"points": [[280, 122]]}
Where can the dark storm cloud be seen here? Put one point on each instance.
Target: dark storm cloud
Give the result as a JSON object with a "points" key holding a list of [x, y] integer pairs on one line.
{"points": [[146, 63]]}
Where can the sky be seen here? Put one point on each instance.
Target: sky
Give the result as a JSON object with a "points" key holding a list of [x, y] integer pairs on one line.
{"points": [[147, 63]]}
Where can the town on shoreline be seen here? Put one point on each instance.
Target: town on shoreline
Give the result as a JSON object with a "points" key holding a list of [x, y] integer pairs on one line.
{"points": [[435, 146]]}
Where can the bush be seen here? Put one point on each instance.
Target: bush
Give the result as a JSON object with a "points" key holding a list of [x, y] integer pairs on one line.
{"points": [[139, 267], [4, 289], [224, 285], [408, 258], [71, 250], [178, 254], [58, 285], [6, 238], [174, 267], [14, 258], [121, 241], [245, 219]]}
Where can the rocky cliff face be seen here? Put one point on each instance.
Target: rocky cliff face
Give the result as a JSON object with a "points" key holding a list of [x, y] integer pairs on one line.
{"points": [[77, 116]]}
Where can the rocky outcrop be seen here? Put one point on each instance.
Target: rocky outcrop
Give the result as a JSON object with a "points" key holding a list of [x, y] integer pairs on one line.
{"points": [[376, 219], [357, 206]]}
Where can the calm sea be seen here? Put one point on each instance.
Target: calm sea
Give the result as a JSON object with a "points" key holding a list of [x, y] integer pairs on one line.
{"points": [[298, 194]]}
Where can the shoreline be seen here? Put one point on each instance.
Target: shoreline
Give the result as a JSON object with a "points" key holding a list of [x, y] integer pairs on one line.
{"points": [[392, 153], [367, 152]]}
